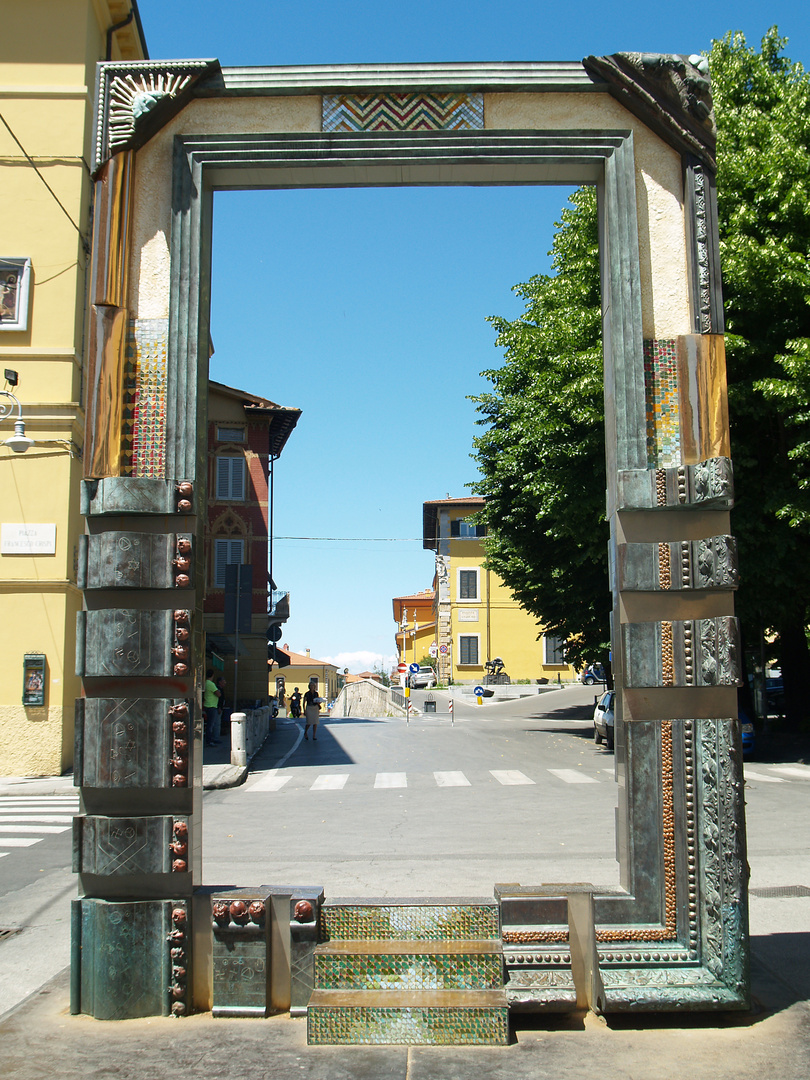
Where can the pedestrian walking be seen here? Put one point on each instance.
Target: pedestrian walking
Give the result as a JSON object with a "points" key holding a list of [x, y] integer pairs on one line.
{"points": [[312, 711], [295, 704], [211, 696]]}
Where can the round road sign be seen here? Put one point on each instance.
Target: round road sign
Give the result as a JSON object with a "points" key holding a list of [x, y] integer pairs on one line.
{"points": [[479, 691], [402, 668], [414, 669]]}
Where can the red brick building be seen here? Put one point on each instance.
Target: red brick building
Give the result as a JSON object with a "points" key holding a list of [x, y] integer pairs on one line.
{"points": [[246, 435]]}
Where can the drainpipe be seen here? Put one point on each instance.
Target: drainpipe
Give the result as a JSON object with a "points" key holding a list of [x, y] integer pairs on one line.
{"points": [[112, 30]]}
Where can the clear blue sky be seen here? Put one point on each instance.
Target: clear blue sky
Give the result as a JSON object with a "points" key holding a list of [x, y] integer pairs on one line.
{"points": [[367, 309]]}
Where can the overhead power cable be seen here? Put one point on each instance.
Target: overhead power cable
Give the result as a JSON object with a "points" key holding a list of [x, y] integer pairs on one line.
{"points": [[33, 165]]}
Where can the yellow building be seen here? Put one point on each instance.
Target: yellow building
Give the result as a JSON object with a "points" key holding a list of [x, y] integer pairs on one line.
{"points": [[48, 53], [477, 618], [416, 622], [301, 669]]}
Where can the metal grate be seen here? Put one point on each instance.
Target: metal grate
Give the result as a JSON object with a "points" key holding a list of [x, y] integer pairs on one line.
{"points": [[780, 890]]}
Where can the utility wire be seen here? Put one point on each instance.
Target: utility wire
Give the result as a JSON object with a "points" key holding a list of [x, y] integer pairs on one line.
{"points": [[32, 163]]}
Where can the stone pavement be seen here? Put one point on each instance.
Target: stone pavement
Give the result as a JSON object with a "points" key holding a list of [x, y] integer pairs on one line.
{"points": [[41, 1039]]}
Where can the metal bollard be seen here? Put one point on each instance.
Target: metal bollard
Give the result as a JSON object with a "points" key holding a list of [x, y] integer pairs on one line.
{"points": [[239, 739]]}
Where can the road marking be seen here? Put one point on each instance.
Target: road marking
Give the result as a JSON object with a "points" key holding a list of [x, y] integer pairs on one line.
{"points": [[32, 828], [391, 780], [751, 774], [571, 776], [510, 776], [20, 841], [35, 804], [330, 782], [270, 781], [802, 773], [2, 853], [451, 779], [48, 819]]}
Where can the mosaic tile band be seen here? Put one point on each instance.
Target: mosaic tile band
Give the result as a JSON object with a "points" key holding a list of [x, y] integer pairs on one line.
{"points": [[143, 438], [406, 971], [663, 404], [474, 922], [407, 1025], [403, 112]]}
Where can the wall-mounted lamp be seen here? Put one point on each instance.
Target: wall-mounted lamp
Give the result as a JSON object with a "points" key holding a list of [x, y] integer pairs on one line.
{"points": [[19, 441]]}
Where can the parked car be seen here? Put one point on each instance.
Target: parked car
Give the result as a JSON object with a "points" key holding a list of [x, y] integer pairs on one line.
{"points": [[748, 735], [423, 679], [593, 673], [775, 696], [603, 719]]}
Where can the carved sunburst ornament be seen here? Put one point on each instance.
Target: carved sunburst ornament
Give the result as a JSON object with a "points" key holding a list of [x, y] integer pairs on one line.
{"points": [[132, 96]]}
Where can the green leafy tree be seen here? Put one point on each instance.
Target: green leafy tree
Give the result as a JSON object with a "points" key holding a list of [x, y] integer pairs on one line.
{"points": [[541, 456], [762, 106]]}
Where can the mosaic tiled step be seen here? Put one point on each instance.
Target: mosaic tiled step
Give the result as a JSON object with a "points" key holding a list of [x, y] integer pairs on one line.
{"points": [[427, 1018], [400, 965], [409, 922]]}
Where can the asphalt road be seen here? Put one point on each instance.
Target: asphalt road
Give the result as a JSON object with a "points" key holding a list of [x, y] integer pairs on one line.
{"points": [[381, 807]]}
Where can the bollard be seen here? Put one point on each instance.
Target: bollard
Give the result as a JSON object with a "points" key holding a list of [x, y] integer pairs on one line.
{"points": [[238, 739]]}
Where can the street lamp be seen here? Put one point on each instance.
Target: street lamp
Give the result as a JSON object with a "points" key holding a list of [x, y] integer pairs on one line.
{"points": [[19, 441]]}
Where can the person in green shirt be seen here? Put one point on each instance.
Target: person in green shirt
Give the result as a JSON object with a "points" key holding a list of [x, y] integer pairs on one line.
{"points": [[211, 696]]}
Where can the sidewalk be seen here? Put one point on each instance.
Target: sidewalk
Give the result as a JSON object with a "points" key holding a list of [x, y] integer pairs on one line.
{"points": [[41, 1039]]}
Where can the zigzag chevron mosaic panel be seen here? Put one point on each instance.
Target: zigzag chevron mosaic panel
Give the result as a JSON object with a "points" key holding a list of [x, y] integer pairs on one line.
{"points": [[144, 414], [403, 112], [663, 404]]}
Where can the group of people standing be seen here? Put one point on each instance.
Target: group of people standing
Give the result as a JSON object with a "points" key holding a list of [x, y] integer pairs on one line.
{"points": [[312, 709]]}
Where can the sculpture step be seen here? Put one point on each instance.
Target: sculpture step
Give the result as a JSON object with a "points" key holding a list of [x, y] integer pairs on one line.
{"points": [[409, 965], [412, 1018], [410, 920]]}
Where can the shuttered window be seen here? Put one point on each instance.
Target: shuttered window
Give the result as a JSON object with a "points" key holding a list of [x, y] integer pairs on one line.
{"points": [[231, 478], [468, 649], [227, 552], [553, 648], [468, 584]]}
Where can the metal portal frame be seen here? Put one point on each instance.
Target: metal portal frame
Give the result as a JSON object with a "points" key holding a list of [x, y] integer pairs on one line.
{"points": [[674, 935]]}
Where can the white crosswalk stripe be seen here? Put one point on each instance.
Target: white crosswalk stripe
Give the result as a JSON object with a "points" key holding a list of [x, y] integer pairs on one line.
{"points": [[752, 774], [795, 772], [571, 776], [391, 780], [330, 782], [270, 781], [510, 776], [26, 820], [451, 779]]}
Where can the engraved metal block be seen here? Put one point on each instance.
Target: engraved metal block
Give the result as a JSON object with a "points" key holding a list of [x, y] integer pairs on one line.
{"points": [[123, 641], [241, 954], [127, 845], [131, 742], [132, 560], [133, 495], [708, 484], [687, 564], [129, 959], [695, 652]]}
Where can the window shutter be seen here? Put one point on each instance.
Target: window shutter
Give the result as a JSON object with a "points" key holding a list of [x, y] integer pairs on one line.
{"points": [[227, 552], [231, 478]]}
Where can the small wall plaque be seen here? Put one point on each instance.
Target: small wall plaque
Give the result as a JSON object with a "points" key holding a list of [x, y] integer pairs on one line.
{"points": [[27, 539]]}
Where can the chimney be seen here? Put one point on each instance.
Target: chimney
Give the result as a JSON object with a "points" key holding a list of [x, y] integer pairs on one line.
{"points": [[307, 652]]}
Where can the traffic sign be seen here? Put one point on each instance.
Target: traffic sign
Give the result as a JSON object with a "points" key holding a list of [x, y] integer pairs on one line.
{"points": [[479, 691], [402, 668], [414, 669], [433, 651], [442, 649]]}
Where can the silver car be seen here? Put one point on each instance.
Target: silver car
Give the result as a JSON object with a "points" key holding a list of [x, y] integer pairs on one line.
{"points": [[423, 679], [603, 719]]}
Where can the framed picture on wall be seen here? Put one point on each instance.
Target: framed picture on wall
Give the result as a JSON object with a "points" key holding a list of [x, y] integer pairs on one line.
{"points": [[15, 279]]}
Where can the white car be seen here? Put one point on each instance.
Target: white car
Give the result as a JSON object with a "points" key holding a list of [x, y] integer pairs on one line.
{"points": [[423, 679], [603, 719]]}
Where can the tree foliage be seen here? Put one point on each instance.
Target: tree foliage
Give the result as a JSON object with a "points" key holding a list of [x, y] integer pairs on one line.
{"points": [[541, 455]]}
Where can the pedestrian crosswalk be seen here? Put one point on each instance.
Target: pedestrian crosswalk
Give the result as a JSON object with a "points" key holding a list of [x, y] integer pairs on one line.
{"points": [[304, 779], [26, 820], [275, 780]]}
